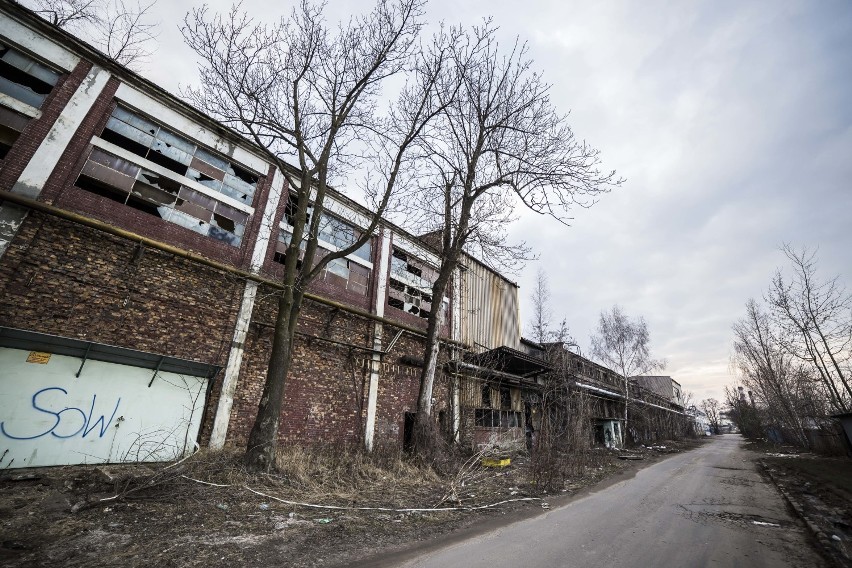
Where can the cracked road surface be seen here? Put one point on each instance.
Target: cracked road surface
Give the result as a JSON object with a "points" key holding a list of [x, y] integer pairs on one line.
{"points": [[705, 507]]}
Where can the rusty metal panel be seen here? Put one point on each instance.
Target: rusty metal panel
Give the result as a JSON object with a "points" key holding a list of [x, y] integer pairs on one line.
{"points": [[489, 308]]}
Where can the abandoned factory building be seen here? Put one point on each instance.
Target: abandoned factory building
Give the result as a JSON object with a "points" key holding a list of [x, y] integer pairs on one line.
{"points": [[129, 330]]}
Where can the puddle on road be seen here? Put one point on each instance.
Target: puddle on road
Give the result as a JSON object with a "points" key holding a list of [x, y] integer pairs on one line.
{"points": [[703, 516], [739, 481]]}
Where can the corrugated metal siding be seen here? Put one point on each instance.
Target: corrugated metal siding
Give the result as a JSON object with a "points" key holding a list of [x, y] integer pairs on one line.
{"points": [[489, 309]]}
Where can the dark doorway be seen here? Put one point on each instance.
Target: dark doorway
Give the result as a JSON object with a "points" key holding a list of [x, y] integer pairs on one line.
{"points": [[408, 431]]}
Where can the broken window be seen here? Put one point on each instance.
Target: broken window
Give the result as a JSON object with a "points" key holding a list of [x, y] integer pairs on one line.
{"points": [[161, 196], [334, 234], [25, 79], [149, 140], [486, 396], [11, 126], [486, 418], [411, 284], [505, 399], [332, 231]]}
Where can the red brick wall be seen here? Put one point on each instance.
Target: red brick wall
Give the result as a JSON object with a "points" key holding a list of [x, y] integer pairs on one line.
{"points": [[60, 278], [325, 397]]}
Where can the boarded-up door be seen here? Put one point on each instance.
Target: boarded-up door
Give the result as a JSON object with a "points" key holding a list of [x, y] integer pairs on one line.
{"points": [[111, 413]]}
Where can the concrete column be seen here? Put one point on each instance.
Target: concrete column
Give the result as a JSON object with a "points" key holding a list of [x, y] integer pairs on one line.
{"points": [[456, 336], [47, 156], [235, 357], [381, 275]]}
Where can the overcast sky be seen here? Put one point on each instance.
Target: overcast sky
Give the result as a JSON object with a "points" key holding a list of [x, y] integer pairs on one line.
{"points": [[730, 120]]}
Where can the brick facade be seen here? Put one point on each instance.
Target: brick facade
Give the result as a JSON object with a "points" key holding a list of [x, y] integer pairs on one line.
{"points": [[62, 278]]}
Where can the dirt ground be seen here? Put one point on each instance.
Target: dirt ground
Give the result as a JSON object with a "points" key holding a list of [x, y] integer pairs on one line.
{"points": [[207, 511], [820, 490]]}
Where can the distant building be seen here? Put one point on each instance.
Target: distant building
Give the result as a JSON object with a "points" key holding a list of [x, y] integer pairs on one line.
{"points": [[662, 385]]}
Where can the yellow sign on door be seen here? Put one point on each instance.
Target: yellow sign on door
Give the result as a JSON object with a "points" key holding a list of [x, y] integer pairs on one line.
{"points": [[38, 357]]}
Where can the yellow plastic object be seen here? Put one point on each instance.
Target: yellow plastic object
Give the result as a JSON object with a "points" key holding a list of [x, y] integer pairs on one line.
{"points": [[496, 462]]}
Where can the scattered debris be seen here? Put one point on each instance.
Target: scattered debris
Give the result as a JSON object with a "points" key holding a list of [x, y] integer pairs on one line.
{"points": [[763, 524]]}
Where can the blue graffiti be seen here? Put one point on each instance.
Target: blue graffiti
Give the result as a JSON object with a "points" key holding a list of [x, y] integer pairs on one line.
{"points": [[87, 425]]}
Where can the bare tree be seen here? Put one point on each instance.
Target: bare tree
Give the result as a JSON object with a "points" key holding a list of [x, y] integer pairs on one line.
{"points": [[819, 316], [70, 14], [307, 91], [743, 412], [498, 143], [126, 33], [623, 345], [712, 409], [541, 319], [122, 30], [768, 369]]}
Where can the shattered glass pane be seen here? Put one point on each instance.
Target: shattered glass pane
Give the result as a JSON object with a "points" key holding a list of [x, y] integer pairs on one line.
{"points": [[224, 236], [23, 78], [180, 218], [131, 133], [30, 66], [153, 195], [114, 162], [159, 181], [173, 140], [204, 179], [212, 159], [135, 120], [172, 153], [20, 92]]}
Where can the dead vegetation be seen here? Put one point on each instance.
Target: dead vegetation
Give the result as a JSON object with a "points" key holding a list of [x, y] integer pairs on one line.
{"points": [[322, 506]]}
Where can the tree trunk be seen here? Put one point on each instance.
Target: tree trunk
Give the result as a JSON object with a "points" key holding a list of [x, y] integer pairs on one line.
{"points": [[263, 439], [425, 435]]}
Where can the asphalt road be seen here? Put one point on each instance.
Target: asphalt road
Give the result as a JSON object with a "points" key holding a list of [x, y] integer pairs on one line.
{"points": [[705, 507]]}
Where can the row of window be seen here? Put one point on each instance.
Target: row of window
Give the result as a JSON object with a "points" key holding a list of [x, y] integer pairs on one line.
{"points": [[159, 145], [487, 418], [164, 179], [143, 165]]}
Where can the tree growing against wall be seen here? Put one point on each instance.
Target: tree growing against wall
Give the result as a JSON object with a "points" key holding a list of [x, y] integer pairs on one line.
{"points": [[307, 91], [499, 143], [122, 30], [624, 345]]}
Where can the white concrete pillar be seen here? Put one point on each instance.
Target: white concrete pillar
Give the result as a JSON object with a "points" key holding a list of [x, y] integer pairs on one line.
{"points": [[235, 356], [456, 336], [381, 275], [47, 156]]}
